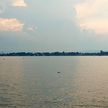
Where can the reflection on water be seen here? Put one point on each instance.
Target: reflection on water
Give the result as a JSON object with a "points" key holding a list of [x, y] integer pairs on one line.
{"points": [[53, 82]]}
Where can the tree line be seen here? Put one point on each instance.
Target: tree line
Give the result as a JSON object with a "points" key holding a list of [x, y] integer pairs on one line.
{"points": [[101, 53]]}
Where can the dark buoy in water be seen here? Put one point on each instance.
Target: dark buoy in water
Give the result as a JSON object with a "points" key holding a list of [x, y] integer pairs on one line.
{"points": [[58, 72]]}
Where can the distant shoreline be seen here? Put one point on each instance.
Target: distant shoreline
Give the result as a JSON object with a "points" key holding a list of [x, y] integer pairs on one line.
{"points": [[101, 53]]}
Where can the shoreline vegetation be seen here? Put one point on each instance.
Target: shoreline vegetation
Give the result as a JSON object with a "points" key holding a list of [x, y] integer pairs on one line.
{"points": [[101, 53]]}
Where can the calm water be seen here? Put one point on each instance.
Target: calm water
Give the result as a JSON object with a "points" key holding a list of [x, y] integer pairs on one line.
{"points": [[33, 82]]}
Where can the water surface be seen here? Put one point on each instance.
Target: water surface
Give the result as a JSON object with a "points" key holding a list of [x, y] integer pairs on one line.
{"points": [[53, 82]]}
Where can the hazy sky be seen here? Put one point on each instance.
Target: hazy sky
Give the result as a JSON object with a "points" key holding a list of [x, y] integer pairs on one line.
{"points": [[53, 25]]}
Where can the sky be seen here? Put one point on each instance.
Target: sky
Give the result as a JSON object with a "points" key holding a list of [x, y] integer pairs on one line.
{"points": [[53, 25]]}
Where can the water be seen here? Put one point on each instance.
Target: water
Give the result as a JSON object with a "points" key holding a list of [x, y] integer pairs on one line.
{"points": [[53, 82]]}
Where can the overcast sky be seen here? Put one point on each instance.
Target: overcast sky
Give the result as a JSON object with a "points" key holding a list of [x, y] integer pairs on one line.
{"points": [[53, 25]]}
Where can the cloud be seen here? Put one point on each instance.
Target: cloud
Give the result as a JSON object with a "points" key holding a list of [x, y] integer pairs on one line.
{"points": [[100, 26], [33, 28], [92, 14], [10, 24], [18, 3]]}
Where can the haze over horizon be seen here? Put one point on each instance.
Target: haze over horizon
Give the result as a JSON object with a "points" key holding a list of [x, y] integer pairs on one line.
{"points": [[53, 25]]}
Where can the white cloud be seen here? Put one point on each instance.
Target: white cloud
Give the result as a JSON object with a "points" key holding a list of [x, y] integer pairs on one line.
{"points": [[10, 24], [92, 14], [18, 3], [33, 28]]}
